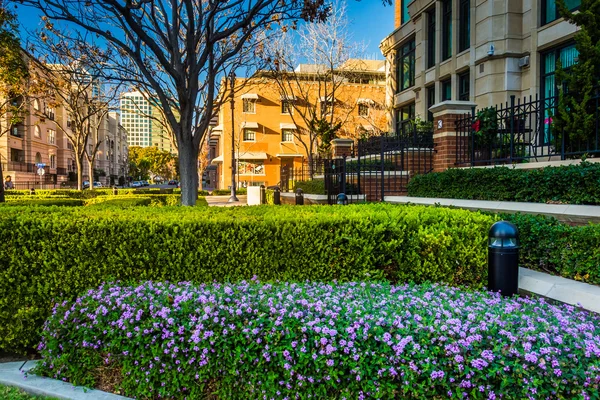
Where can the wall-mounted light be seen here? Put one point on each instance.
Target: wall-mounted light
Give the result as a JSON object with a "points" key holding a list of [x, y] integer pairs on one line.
{"points": [[491, 50]]}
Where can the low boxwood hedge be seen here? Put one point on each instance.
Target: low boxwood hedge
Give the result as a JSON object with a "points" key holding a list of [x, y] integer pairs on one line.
{"points": [[548, 245], [225, 192], [52, 254], [43, 201], [321, 341], [315, 186], [573, 184]]}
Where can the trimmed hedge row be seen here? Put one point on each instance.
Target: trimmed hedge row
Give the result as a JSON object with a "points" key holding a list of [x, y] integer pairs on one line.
{"points": [[548, 245], [315, 186], [51, 254], [573, 184], [109, 201]]}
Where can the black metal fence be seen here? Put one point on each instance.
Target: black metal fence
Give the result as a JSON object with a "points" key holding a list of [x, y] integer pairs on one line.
{"points": [[379, 166], [521, 130]]}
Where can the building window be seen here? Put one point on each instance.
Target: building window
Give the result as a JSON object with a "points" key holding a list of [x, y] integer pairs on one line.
{"points": [[286, 107], [447, 90], [446, 29], [405, 117], [37, 132], [251, 167], [363, 110], [464, 26], [326, 107], [51, 136], [550, 11], [431, 38], [36, 104], [567, 55], [406, 66], [464, 82], [287, 135], [50, 113], [430, 101], [249, 106], [17, 155], [249, 135], [52, 161], [404, 16], [38, 158], [15, 131]]}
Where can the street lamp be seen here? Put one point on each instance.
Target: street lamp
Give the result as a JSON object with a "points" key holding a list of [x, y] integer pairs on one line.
{"points": [[233, 197]]}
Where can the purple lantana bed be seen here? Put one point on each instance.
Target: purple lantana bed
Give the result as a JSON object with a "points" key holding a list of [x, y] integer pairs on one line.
{"points": [[321, 341]]}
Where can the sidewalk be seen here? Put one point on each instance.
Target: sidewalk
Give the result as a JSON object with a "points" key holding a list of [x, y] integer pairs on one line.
{"points": [[10, 375], [223, 201]]}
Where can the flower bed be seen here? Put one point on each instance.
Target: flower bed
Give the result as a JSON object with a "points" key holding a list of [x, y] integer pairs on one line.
{"points": [[315, 340]]}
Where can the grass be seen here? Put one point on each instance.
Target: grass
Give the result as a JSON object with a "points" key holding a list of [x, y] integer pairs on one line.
{"points": [[11, 393]]}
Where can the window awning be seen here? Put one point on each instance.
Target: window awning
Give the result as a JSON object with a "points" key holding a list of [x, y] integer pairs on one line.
{"points": [[289, 97], [250, 96], [290, 155], [217, 160], [365, 101], [285, 125], [250, 125], [251, 155]]}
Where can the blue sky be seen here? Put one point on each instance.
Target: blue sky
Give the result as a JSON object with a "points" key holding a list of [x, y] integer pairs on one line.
{"points": [[370, 21]]}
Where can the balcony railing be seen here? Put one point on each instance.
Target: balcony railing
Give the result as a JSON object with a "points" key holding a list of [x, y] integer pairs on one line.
{"points": [[521, 131]]}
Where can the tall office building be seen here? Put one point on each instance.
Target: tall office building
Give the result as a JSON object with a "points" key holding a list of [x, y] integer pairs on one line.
{"points": [[138, 117]]}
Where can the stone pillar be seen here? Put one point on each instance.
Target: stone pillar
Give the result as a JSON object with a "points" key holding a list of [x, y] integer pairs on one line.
{"points": [[445, 136], [342, 147]]}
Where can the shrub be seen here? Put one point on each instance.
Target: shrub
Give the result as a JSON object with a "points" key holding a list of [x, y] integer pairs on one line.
{"points": [[315, 186], [52, 254], [28, 201], [560, 249], [225, 192], [322, 341], [119, 201], [269, 196], [573, 184]]}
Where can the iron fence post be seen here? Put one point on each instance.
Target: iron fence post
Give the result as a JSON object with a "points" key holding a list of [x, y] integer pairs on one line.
{"points": [[381, 159], [358, 167], [512, 126], [472, 131], [343, 175]]}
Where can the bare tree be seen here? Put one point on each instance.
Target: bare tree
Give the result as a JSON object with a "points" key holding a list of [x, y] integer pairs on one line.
{"points": [[310, 66], [178, 50], [66, 82]]}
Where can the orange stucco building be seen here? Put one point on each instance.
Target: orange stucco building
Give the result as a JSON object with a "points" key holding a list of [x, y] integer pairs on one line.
{"points": [[270, 121]]}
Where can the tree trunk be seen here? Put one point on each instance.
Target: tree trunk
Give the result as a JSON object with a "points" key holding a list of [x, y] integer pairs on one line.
{"points": [[188, 171], [91, 173], [2, 199], [79, 166]]}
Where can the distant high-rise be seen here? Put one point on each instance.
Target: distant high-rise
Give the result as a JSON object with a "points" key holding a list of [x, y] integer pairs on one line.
{"points": [[139, 118]]}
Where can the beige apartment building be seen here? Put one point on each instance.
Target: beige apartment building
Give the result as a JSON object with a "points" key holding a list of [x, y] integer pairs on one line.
{"points": [[474, 51], [271, 139], [39, 139]]}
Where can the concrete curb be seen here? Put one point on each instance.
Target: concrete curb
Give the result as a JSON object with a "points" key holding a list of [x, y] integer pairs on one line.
{"points": [[571, 213], [10, 375], [561, 289]]}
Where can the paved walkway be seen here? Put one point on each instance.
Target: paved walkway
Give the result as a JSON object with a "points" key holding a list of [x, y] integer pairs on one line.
{"points": [[223, 201], [561, 289], [10, 375], [571, 213]]}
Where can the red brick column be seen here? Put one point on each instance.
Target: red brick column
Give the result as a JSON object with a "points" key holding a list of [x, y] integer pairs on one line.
{"points": [[445, 138], [342, 147]]}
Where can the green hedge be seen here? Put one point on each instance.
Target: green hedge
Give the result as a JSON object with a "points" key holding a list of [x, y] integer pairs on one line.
{"points": [[49, 254], [225, 192], [574, 184], [27, 201], [315, 186], [548, 245]]}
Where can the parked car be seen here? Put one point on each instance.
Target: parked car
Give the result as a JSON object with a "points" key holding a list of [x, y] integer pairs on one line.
{"points": [[86, 184], [145, 183], [136, 184], [98, 184], [173, 182]]}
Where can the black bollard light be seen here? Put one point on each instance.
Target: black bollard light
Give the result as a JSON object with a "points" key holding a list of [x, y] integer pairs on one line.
{"points": [[503, 258], [32, 191], [263, 194], [277, 197], [299, 197], [342, 199], [115, 190]]}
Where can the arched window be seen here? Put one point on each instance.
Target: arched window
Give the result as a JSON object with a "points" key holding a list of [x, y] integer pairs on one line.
{"points": [[38, 158], [37, 132]]}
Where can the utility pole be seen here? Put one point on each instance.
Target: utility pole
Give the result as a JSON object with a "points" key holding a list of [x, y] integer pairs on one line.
{"points": [[233, 197]]}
